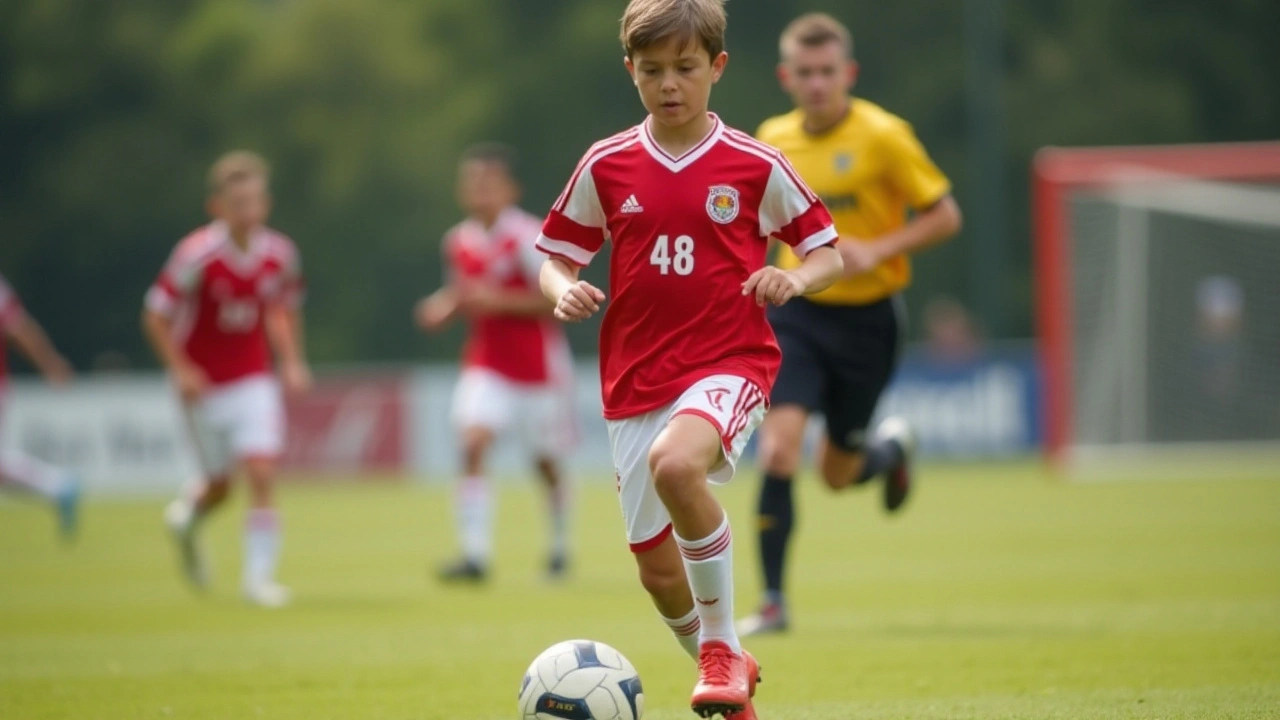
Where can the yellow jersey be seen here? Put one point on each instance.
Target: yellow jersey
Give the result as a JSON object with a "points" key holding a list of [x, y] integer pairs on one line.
{"points": [[868, 170]]}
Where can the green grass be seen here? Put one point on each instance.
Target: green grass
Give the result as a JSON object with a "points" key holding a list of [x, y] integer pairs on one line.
{"points": [[998, 594]]}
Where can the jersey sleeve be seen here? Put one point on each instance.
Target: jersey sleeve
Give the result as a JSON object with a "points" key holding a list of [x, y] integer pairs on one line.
{"points": [[792, 212], [293, 284], [575, 228], [177, 280], [910, 169], [10, 307]]}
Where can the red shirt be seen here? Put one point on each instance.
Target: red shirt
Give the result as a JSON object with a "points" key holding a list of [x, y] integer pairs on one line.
{"points": [[521, 348], [217, 294], [686, 233], [10, 311]]}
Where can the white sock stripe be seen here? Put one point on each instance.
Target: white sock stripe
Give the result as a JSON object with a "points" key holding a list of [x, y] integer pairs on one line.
{"points": [[718, 544], [691, 628]]}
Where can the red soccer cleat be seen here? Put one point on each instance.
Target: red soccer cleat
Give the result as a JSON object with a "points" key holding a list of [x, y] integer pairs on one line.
{"points": [[722, 686], [748, 712]]}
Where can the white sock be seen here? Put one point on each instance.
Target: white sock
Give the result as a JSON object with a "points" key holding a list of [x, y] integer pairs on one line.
{"points": [[558, 513], [474, 511], [261, 546], [709, 564], [31, 475], [686, 631]]}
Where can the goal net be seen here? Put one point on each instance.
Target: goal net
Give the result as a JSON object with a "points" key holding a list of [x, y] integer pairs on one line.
{"points": [[1158, 273]]}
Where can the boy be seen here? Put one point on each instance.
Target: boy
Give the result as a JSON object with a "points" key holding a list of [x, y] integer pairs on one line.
{"points": [[840, 347], [228, 295], [686, 354], [516, 366], [18, 472]]}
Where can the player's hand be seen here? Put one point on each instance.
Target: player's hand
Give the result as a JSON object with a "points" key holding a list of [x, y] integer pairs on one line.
{"points": [[296, 377], [772, 285], [859, 256], [191, 381], [57, 372], [434, 311], [580, 301]]}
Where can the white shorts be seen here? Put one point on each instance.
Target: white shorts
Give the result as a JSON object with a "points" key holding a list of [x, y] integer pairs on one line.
{"points": [[734, 405], [242, 419], [542, 416]]}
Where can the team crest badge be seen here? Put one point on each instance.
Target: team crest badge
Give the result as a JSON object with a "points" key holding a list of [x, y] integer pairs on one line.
{"points": [[843, 161], [722, 204]]}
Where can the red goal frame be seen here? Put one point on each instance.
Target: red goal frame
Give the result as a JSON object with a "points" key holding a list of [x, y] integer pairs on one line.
{"points": [[1056, 173]]}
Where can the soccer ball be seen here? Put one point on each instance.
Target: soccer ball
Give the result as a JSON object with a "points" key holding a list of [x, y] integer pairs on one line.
{"points": [[581, 680]]}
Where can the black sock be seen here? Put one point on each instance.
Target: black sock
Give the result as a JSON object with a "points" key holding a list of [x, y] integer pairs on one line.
{"points": [[777, 515], [880, 456]]}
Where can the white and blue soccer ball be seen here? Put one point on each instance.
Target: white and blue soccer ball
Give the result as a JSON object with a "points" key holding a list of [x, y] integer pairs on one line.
{"points": [[581, 680]]}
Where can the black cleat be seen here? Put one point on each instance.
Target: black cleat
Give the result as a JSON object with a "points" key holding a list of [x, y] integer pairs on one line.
{"points": [[557, 568], [897, 483], [463, 571]]}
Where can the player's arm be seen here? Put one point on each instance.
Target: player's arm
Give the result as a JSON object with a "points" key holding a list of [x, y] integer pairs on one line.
{"points": [[928, 227], [913, 174], [792, 213], [574, 300], [34, 343], [157, 327], [435, 311], [284, 330], [489, 300]]}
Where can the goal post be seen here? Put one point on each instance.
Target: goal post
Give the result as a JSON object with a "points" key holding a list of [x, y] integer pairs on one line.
{"points": [[1148, 261]]}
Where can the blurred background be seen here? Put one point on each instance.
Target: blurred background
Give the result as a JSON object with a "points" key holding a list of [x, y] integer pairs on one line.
{"points": [[111, 113]]}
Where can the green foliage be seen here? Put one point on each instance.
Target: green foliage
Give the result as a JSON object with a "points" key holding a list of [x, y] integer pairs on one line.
{"points": [[111, 112]]}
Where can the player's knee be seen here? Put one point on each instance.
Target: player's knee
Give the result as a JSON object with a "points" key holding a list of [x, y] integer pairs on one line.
{"points": [[675, 471], [780, 455]]}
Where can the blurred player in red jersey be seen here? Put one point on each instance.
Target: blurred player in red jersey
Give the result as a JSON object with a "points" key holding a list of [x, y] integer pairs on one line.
{"points": [[687, 357], [19, 472], [517, 369], [230, 294]]}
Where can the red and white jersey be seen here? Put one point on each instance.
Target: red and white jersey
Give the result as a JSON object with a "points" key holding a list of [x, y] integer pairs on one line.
{"points": [[521, 348], [687, 232], [217, 293], [10, 311]]}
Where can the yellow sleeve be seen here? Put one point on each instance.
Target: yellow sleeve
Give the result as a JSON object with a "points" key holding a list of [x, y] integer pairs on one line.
{"points": [[911, 170]]}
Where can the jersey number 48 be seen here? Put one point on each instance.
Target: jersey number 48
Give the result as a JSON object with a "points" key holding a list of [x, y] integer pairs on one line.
{"points": [[682, 259]]}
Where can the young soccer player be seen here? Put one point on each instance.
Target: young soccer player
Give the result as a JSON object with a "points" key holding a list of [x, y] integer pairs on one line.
{"points": [[840, 346], [686, 354], [516, 366], [230, 294], [18, 472]]}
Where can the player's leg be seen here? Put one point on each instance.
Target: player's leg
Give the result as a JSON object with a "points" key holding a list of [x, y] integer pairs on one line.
{"points": [[482, 406], [663, 570], [708, 428], [864, 359], [257, 439], [26, 475], [208, 430], [798, 391], [548, 430]]}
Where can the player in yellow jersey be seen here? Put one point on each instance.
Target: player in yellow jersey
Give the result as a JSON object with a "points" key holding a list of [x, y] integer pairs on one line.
{"points": [[840, 346]]}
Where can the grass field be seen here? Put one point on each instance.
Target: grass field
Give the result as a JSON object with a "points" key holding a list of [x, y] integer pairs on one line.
{"points": [[999, 594]]}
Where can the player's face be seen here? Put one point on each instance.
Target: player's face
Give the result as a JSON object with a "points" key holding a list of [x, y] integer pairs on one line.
{"points": [[674, 80], [484, 188], [243, 205], [818, 78]]}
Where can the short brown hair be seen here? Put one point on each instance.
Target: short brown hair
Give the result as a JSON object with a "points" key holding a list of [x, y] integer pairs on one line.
{"points": [[815, 30], [494, 153], [648, 23], [237, 166]]}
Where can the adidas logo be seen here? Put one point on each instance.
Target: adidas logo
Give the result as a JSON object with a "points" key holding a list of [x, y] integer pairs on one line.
{"points": [[631, 205]]}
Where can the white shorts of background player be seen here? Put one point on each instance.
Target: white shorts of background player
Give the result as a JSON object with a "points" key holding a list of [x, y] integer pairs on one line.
{"points": [[541, 416], [243, 419]]}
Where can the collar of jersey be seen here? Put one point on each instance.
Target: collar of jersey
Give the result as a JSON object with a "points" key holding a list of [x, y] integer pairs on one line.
{"points": [[676, 164], [237, 258]]}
